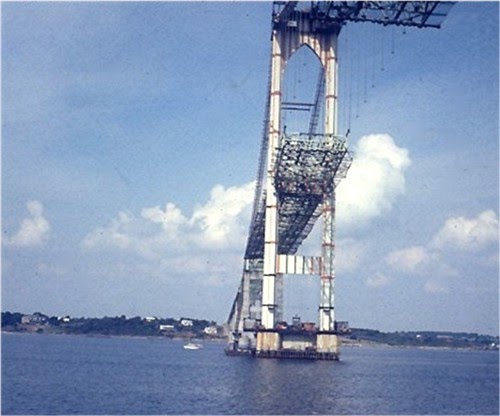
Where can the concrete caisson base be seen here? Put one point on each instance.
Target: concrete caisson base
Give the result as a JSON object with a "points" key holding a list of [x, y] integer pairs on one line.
{"points": [[268, 341], [305, 345], [327, 343]]}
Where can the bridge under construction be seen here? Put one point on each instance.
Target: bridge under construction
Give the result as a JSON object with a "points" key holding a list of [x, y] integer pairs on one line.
{"points": [[297, 177]]}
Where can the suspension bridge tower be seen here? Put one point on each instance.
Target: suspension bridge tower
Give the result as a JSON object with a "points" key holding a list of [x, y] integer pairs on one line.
{"points": [[296, 182]]}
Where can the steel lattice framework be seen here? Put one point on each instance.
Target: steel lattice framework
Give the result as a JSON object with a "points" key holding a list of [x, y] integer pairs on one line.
{"points": [[307, 167], [328, 14]]}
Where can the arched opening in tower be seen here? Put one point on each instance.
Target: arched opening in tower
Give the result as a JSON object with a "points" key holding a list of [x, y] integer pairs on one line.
{"points": [[303, 93]]}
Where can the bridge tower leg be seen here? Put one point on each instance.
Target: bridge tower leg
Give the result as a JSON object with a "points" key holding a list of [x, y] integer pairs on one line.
{"points": [[327, 340], [269, 340]]}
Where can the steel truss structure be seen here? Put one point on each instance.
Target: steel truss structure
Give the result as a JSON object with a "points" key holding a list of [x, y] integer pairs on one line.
{"points": [[307, 167], [328, 14], [298, 173]]}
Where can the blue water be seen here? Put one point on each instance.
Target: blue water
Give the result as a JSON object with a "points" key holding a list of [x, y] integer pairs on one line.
{"points": [[57, 374]]}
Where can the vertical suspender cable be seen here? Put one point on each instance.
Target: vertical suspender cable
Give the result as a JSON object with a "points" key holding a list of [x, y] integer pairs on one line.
{"points": [[382, 40], [393, 41], [365, 66], [320, 90], [355, 45], [349, 73], [373, 57]]}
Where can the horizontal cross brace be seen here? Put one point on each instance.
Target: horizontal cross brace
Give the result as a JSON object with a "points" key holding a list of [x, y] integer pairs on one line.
{"points": [[296, 104], [288, 264]]}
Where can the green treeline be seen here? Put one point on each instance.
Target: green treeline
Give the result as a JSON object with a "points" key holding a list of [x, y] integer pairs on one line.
{"points": [[426, 338], [120, 325]]}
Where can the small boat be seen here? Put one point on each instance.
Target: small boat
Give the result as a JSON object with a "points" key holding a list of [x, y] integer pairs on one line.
{"points": [[192, 346]]}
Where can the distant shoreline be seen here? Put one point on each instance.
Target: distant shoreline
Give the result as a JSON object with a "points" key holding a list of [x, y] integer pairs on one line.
{"points": [[345, 342], [201, 329]]}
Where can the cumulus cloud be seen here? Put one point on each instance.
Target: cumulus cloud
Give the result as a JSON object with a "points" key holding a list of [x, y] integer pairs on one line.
{"points": [[170, 219], [468, 233], [220, 220], [408, 259], [116, 234], [209, 241], [457, 233], [33, 230], [374, 181]]}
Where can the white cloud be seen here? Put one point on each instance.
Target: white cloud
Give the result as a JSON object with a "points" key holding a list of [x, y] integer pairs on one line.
{"points": [[408, 259], [116, 234], [33, 230], [171, 219], [459, 233], [220, 220], [468, 233], [208, 242], [374, 181]]}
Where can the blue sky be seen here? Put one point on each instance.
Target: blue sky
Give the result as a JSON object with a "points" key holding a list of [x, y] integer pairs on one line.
{"points": [[130, 139]]}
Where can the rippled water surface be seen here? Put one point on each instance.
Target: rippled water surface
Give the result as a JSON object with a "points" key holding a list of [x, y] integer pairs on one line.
{"points": [[57, 374]]}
